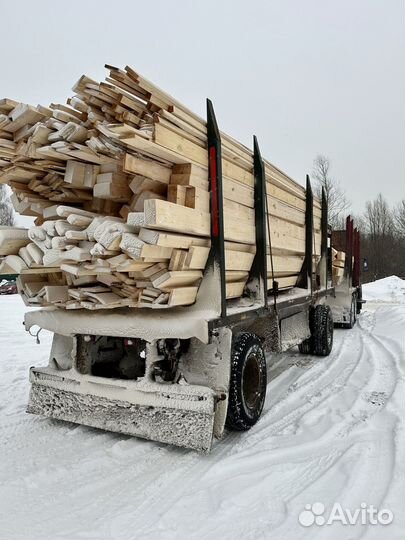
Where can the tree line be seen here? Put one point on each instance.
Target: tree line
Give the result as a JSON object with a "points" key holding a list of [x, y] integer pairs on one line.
{"points": [[382, 226]]}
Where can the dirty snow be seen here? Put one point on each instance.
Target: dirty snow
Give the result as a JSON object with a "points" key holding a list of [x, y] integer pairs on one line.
{"points": [[333, 430]]}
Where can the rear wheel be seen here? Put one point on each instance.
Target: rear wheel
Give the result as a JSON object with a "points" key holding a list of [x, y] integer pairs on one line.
{"points": [[307, 346], [247, 389], [322, 330]]}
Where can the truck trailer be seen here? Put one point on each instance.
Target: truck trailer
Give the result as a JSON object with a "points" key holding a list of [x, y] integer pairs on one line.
{"points": [[180, 375]]}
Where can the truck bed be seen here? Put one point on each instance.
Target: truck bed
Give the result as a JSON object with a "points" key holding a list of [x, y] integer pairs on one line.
{"points": [[182, 323]]}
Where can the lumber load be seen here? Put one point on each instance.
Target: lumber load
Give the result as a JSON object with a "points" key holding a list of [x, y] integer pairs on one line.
{"points": [[117, 183], [338, 266]]}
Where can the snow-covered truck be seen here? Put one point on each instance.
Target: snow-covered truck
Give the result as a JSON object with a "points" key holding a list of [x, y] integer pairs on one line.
{"points": [[181, 375]]}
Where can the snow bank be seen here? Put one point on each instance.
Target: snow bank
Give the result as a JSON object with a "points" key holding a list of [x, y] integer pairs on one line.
{"points": [[390, 289]]}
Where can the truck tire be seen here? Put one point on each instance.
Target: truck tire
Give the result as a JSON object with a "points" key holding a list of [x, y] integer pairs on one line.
{"points": [[307, 346], [322, 330], [359, 297], [247, 388]]}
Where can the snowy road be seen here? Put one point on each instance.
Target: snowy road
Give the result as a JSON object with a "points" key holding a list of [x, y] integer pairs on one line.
{"points": [[333, 431]]}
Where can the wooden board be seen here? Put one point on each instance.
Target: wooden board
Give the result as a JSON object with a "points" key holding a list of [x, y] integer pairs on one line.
{"points": [[172, 280], [150, 169], [234, 290], [12, 239], [182, 296], [178, 241]]}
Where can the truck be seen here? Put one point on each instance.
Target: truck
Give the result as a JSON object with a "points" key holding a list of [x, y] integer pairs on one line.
{"points": [[181, 376]]}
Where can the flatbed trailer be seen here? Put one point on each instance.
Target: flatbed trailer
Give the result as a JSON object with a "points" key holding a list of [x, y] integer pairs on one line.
{"points": [[181, 375]]}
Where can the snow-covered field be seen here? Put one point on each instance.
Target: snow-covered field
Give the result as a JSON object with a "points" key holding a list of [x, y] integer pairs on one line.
{"points": [[333, 431]]}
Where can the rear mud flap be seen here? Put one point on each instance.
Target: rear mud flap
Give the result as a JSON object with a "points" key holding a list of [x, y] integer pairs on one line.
{"points": [[188, 424]]}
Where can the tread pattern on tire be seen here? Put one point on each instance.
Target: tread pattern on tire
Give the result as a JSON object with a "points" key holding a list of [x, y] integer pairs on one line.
{"points": [[323, 325], [237, 416], [306, 346]]}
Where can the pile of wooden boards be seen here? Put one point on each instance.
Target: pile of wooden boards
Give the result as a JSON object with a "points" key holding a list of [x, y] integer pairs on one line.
{"points": [[117, 181], [338, 266]]}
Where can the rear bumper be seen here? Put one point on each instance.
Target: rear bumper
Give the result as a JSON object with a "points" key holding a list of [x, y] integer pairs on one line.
{"points": [[182, 415]]}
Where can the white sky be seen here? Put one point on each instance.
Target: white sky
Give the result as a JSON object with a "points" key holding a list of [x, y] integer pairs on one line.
{"points": [[307, 77]]}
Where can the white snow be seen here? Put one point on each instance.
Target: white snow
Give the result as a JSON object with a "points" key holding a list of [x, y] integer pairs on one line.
{"points": [[390, 289], [333, 431]]}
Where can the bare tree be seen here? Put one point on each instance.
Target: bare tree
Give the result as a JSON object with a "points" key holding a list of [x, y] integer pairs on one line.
{"points": [[6, 209], [400, 219], [381, 245], [335, 195]]}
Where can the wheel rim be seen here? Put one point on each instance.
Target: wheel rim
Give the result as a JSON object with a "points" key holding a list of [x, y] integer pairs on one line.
{"points": [[251, 382]]}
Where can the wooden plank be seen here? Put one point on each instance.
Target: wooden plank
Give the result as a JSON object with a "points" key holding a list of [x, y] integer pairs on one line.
{"points": [[148, 168], [12, 264], [56, 293], [234, 290], [170, 280], [237, 230], [285, 263], [12, 239], [237, 192], [167, 216], [178, 241], [284, 282], [156, 252], [189, 180], [151, 149], [236, 275], [177, 194], [196, 258], [182, 296], [239, 211], [177, 259], [115, 192], [337, 271], [142, 183], [198, 198], [194, 153], [190, 169], [237, 260], [138, 201]]}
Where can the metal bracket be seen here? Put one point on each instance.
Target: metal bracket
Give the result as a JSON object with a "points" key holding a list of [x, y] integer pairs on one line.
{"points": [[217, 253], [306, 271], [324, 239], [258, 272]]}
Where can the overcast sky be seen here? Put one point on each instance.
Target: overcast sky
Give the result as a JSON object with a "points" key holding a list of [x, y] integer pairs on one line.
{"points": [[305, 76]]}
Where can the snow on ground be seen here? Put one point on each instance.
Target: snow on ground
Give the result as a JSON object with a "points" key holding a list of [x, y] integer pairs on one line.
{"points": [[390, 289], [333, 431]]}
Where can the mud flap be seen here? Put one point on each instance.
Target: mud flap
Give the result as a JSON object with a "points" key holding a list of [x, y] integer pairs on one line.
{"points": [[182, 415]]}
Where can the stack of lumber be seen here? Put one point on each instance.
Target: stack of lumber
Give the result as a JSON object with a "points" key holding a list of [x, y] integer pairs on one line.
{"points": [[338, 266], [117, 181]]}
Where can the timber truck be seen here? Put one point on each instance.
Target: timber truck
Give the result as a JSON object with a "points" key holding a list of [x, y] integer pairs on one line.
{"points": [[182, 375]]}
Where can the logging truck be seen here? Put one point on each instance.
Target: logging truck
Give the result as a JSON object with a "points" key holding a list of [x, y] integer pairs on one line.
{"points": [[181, 375]]}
